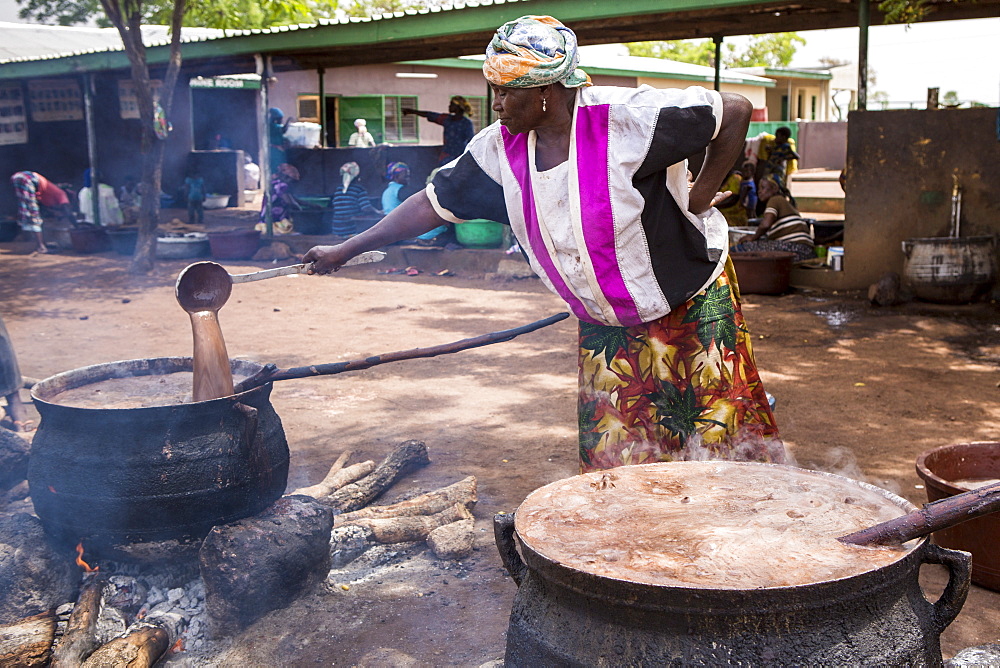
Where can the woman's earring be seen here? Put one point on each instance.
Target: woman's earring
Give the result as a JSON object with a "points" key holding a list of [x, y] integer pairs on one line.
{"points": [[543, 104]]}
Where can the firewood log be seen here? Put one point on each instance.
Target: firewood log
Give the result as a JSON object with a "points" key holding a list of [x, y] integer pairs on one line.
{"points": [[337, 466], [463, 491], [140, 647], [28, 642], [80, 638], [337, 479], [402, 529], [407, 456]]}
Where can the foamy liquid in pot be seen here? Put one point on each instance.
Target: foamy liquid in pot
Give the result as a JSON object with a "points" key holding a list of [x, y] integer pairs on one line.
{"points": [[707, 524], [130, 392]]}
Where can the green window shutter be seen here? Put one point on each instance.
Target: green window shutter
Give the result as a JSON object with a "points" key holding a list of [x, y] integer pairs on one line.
{"points": [[368, 107], [480, 112]]}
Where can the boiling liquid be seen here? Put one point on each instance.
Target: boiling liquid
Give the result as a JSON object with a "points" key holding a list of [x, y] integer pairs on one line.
{"points": [[129, 392], [707, 524], [974, 483]]}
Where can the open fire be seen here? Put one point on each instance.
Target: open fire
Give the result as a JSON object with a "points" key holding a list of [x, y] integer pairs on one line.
{"points": [[169, 602]]}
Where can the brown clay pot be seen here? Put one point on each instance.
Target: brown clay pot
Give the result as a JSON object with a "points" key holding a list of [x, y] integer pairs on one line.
{"points": [[763, 272], [940, 468]]}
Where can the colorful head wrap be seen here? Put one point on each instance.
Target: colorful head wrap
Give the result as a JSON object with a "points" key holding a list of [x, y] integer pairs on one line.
{"points": [[534, 51], [463, 103], [360, 122], [348, 172], [275, 115], [395, 168]]}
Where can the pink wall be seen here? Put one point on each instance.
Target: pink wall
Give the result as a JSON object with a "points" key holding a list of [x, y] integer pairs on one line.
{"points": [[432, 94]]}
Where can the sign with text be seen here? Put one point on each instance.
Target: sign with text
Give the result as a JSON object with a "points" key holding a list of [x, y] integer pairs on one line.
{"points": [[13, 117], [55, 100], [128, 103]]}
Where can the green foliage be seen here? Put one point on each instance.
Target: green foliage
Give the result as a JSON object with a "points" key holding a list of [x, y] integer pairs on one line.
{"points": [[774, 50], [698, 52], [903, 11], [62, 12], [951, 99], [228, 14], [377, 7]]}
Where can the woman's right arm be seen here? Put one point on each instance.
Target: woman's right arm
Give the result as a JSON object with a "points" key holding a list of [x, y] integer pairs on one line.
{"points": [[764, 225], [411, 218]]}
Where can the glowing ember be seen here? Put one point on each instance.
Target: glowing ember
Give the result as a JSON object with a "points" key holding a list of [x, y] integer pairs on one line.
{"points": [[52, 489], [177, 647], [81, 563]]}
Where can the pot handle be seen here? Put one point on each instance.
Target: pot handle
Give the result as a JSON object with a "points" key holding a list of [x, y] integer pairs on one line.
{"points": [[959, 565], [249, 414], [503, 532]]}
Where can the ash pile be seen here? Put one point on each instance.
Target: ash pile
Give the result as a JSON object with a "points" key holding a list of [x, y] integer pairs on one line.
{"points": [[179, 603]]}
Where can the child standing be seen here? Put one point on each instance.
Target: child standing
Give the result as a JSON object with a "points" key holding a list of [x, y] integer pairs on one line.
{"points": [[195, 187]]}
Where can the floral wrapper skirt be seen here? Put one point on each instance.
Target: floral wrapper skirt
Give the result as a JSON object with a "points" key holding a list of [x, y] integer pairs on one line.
{"points": [[683, 387]]}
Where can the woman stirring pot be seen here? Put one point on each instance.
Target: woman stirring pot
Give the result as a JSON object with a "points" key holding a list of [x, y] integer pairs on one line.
{"points": [[593, 182]]}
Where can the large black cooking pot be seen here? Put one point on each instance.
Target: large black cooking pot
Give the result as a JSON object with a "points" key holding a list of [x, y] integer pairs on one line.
{"points": [[563, 616], [109, 476]]}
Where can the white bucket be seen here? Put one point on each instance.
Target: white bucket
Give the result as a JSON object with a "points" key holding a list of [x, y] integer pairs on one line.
{"points": [[737, 233], [303, 134], [835, 258]]}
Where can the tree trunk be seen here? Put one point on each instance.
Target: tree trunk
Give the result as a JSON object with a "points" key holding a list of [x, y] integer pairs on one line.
{"points": [[129, 26], [28, 643]]}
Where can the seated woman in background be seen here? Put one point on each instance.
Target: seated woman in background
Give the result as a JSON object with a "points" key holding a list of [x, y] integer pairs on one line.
{"points": [[350, 201], [782, 228], [731, 207]]}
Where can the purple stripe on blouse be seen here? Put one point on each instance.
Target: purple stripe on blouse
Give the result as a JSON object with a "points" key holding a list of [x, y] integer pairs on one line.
{"points": [[516, 148], [592, 129]]}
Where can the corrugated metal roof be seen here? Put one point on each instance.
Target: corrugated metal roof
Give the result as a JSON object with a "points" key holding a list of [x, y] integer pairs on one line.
{"points": [[22, 42], [26, 41]]}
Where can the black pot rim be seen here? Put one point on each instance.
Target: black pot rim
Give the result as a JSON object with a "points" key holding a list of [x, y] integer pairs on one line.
{"points": [[149, 366]]}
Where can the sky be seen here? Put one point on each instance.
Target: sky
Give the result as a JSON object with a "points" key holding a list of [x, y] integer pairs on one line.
{"points": [[960, 56]]}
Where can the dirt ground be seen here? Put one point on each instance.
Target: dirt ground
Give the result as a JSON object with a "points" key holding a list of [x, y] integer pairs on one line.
{"points": [[860, 391]]}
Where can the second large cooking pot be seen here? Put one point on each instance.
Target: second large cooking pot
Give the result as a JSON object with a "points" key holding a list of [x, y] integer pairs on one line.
{"points": [[109, 476], [567, 615]]}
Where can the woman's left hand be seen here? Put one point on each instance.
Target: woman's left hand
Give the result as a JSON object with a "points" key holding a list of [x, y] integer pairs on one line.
{"points": [[720, 196]]}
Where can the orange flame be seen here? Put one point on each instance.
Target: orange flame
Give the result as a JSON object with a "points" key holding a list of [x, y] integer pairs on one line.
{"points": [[142, 614], [81, 563], [177, 647]]}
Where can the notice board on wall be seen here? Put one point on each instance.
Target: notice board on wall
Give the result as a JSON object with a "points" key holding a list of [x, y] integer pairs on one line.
{"points": [[55, 100], [13, 117]]}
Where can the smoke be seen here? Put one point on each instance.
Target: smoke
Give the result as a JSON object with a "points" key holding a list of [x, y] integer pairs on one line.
{"points": [[842, 462]]}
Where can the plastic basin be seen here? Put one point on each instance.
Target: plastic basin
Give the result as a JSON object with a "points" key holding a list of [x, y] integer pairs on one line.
{"points": [[89, 239], [479, 234], [193, 244], [234, 244], [123, 240], [216, 201]]}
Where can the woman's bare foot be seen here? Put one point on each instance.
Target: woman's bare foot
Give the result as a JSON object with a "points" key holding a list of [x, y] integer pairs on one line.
{"points": [[41, 249]]}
